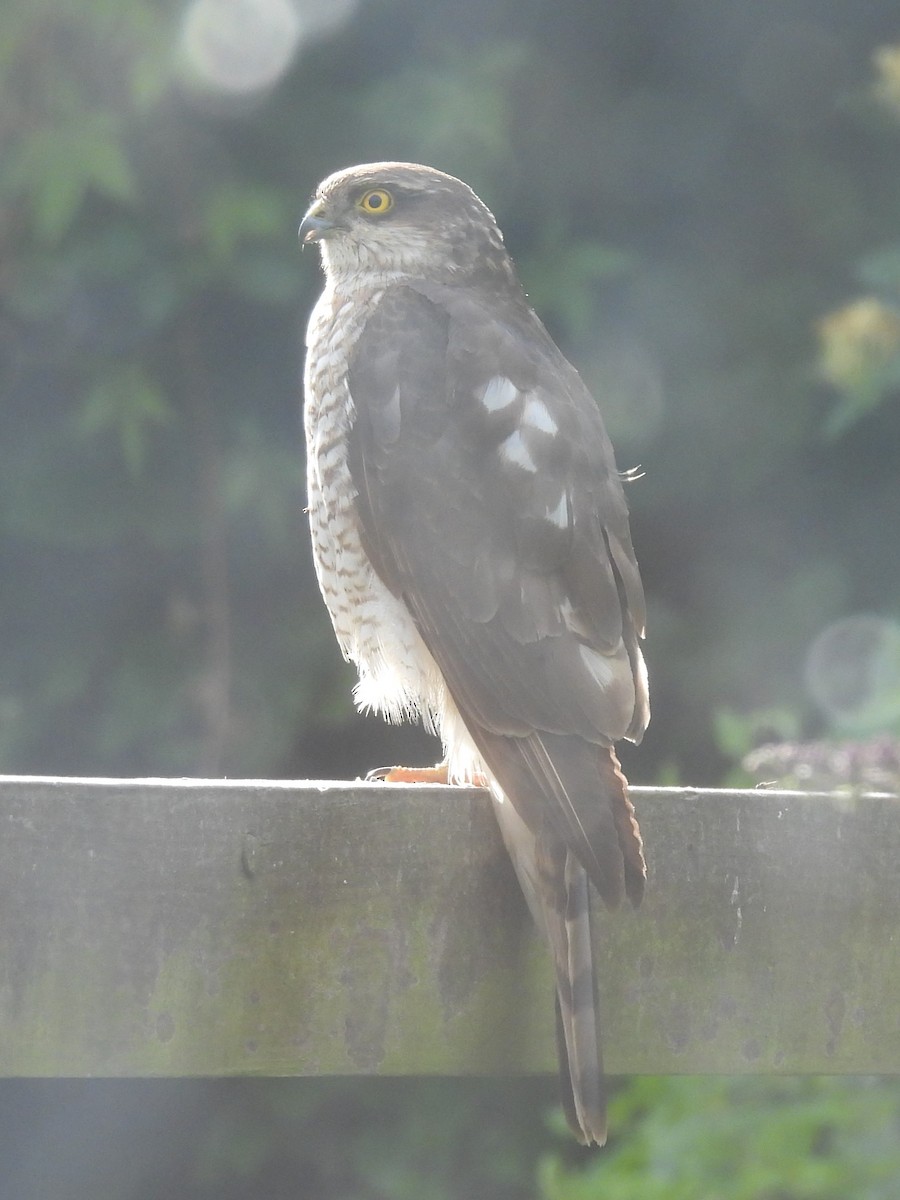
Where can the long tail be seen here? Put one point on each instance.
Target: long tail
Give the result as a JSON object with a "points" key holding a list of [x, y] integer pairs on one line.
{"points": [[556, 887], [567, 821], [568, 925]]}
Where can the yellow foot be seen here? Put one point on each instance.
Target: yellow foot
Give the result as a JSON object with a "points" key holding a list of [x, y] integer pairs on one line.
{"points": [[436, 774]]}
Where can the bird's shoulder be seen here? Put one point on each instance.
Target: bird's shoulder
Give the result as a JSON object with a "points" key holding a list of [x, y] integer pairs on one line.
{"points": [[492, 319], [470, 424], [478, 359]]}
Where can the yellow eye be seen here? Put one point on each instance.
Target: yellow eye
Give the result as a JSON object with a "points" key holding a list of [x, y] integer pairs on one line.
{"points": [[376, 202]]}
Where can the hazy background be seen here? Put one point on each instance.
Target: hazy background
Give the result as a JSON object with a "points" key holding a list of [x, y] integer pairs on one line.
{"points": [[703, 197]]}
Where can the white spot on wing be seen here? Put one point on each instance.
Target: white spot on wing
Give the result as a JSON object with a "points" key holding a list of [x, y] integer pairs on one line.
{"points": [[513, 450], [537, 415], [573, 622], [559, 516], [499, 393], [598, 665]]}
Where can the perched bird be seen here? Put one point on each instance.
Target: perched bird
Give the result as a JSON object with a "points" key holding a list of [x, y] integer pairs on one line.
{"points": [[471, 542]]}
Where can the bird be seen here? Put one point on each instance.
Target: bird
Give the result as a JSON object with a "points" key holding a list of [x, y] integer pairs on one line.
{"points": [[471, 542]]}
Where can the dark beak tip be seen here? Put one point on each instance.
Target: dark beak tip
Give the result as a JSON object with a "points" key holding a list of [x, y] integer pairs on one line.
{"points": [[313, 229]]}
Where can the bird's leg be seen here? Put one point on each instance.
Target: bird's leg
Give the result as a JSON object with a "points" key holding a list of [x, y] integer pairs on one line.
{"points": [[436, 774]]}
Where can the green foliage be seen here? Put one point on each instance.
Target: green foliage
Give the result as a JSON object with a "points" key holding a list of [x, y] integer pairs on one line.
{"points": [[695, 195], [455, 110], [128, 404], [129, 410], [151, 294], [738, 733], [57, 168], [860, 343], [683, 1138], [563, 274], [379, 1142]]}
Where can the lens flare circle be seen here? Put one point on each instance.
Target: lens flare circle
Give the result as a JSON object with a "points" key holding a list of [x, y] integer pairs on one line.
{"points": [[853, 672], [239, 46]]}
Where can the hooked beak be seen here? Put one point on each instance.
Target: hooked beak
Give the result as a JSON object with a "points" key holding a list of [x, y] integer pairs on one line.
{"points": [[314, 225]]}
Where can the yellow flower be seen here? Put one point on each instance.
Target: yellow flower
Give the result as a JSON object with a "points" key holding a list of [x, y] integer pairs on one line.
{"points": [[861, 339]]}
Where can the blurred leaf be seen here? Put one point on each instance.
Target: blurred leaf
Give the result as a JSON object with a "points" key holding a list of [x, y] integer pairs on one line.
{"points": [[266, 275], [129, 404], [57, 166], [562, 274], [238, 213], [453, 110], [680, 1138], [880, 270], [738, 733]]}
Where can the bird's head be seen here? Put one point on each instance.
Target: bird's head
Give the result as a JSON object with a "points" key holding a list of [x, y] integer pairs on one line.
{"points": [[394, 220]]}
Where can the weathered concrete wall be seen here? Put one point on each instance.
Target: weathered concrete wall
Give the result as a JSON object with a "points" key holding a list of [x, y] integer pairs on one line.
{"points": [[169, 927]]}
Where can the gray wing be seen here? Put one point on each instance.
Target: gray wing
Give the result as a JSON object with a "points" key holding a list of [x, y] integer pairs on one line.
{"points": [[488, 499]]}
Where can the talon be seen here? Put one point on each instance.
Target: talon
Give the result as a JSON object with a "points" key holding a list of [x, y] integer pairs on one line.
{"points": [[437, 774]]}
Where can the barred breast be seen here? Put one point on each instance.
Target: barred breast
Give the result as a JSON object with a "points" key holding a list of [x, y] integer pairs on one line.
{"points": [[397, 675]]}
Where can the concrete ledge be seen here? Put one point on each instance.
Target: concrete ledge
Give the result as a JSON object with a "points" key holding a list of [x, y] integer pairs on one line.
{"points": [[192, 927]]}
